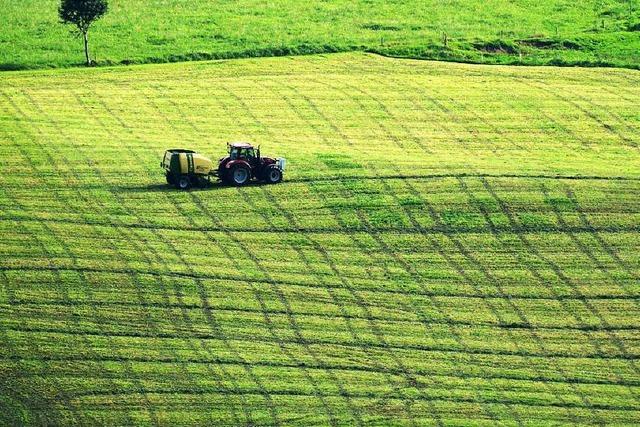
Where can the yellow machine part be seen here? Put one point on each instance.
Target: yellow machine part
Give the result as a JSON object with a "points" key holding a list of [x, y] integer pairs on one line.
{"points": [[195, 163], [187, 163]]}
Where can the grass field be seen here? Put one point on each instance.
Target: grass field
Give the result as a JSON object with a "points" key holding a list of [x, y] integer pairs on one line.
{"points": [[560, 32], [453, 244]]}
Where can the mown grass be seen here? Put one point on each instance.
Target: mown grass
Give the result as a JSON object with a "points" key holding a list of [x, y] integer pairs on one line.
{"points": [[555, 32], [453, 244]]}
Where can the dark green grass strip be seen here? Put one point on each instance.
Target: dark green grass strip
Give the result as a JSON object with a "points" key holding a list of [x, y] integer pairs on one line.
{"points": [[344, 367], [61, 303], [391, 292], [441, 228]]}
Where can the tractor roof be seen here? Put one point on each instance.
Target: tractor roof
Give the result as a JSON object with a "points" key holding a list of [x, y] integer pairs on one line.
{"points": [[241, 145]]}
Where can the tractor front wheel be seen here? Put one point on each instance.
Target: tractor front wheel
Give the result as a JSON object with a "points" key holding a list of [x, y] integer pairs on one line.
{"points": [[239, 175], [183, 182], [273, 175]]}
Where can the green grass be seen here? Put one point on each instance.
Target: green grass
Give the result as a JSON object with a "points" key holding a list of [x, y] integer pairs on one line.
{"points": [[452, 244], [556, 32]]}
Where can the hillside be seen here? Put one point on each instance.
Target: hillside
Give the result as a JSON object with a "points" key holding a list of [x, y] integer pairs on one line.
{"points": [[451, 244], [556, 32]]}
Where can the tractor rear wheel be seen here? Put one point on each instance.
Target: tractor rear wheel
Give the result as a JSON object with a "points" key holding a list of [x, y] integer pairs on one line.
{"points": [[273, 175], [239, 175], [183, 182]]}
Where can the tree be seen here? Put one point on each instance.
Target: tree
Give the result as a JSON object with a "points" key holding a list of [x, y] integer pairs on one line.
{"points": [[82, 13]]}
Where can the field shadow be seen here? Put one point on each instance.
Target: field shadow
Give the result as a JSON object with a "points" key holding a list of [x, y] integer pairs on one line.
{"points": [[161, 187]]}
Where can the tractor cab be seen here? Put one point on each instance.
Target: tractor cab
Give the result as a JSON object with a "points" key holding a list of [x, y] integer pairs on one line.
{"points": [[244, 151]]}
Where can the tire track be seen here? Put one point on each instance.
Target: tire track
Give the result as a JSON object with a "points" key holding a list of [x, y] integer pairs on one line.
{"points": [[211, 321], [324, 278], [407, 267], [159, 279], [584, 248], [324, 284], [534, 273], [410, 379], [56, 166], [591, 115], [336, 367], [396, 120], [256, 294], [310, 314], [615, 116], [531, 249], [447, 130], [283, 300], [488, 222], [88, 291], [330, 178], [485, 272], [483, 295], [352, 230], [281, 296], [362, 395], [116, 196], [564, 279], [460, 106], [596, 235], [458, 268], [62, 395]]}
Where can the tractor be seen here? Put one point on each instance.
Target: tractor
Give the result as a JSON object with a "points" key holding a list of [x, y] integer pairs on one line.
{"points": [[186, 168]]}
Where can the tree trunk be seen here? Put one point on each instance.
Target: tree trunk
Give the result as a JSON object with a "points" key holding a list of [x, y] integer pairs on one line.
{"points": [[85, 36]]}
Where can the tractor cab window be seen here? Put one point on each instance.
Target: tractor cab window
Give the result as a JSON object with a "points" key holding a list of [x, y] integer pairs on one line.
{"points": [[241, 153], [235, 153]]}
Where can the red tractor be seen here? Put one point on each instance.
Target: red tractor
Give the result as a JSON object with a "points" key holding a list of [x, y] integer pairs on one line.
{"points": [[244, 163]]}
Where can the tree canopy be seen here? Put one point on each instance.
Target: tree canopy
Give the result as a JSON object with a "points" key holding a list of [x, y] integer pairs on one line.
{"points": [[82, 13]]}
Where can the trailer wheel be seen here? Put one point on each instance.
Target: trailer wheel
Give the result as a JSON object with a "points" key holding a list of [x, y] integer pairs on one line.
{"points": [[240, 175], [273, 175], [170, 179], [184, 182]]}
